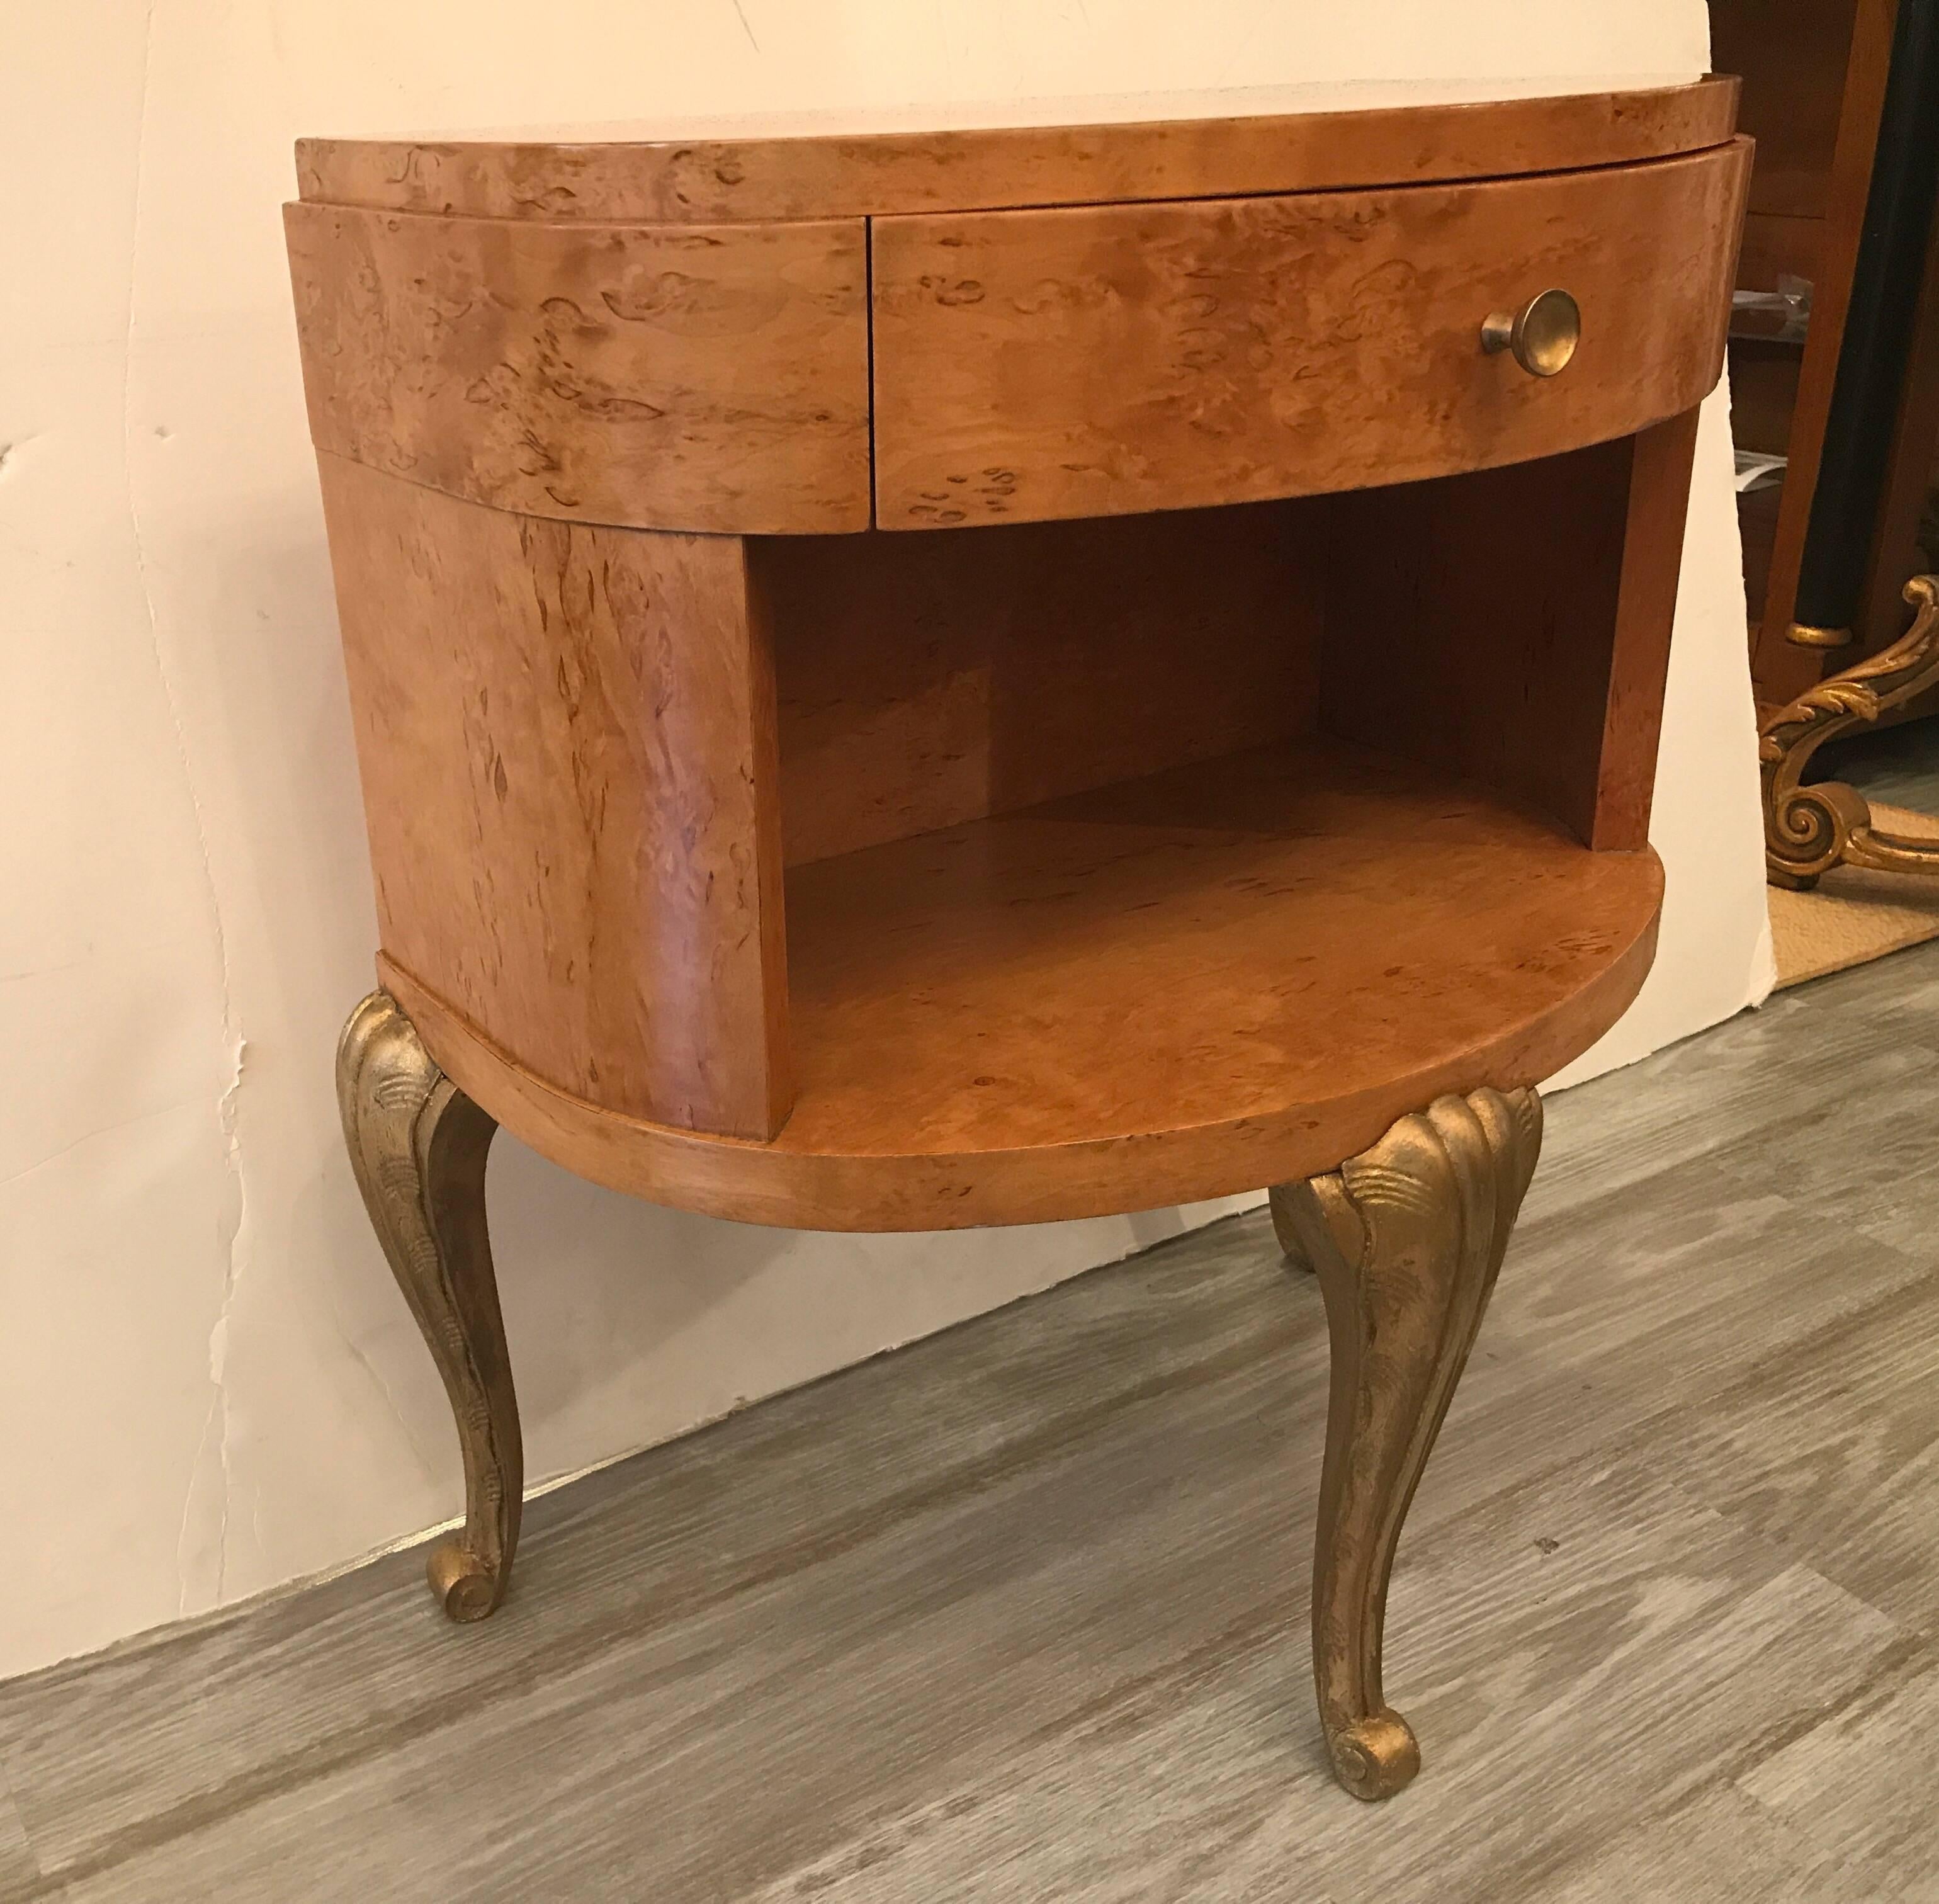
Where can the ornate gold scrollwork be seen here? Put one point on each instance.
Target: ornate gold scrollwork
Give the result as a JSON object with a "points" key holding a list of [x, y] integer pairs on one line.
{"points": [[1809, 830]]}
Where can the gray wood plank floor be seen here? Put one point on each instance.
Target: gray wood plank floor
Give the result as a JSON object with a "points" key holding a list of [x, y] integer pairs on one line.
{"points": [[1018, 1613]]}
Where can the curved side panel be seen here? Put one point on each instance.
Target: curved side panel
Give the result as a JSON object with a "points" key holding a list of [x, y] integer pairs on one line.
{"points": [[566, 739], [688, 378]]}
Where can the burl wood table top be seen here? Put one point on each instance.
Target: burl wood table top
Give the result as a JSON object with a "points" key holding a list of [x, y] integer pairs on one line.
{"points": [[1238, 142]]}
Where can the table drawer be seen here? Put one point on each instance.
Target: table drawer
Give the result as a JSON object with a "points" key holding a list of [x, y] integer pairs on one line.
{"points": [[702, 378], [1098, 359]]}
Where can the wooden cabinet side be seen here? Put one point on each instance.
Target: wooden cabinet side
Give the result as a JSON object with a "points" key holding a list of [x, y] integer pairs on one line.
{"points": [[1513, 626], [566, 736], [1645, 612]]}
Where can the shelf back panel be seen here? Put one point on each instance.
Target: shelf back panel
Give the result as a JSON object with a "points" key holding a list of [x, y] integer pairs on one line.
{"points": [[929, 678], [1513, 626]]}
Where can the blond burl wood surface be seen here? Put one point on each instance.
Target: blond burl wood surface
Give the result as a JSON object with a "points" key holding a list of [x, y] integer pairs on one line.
{"points": [[1198, 145], [1530, 658], [1227, 975], [565, 734], [696, 379], [925, 679], [1097, 360]]}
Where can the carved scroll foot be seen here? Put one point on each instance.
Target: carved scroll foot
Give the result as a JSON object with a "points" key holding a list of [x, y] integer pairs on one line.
{"points": [[418, 1145], [1808, 830], [1407, 1238]]}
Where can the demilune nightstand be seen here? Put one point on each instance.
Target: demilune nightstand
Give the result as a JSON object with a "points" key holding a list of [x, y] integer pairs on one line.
{"points": [[923, 678]]}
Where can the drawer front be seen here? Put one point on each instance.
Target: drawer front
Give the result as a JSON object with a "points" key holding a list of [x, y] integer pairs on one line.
{"points": [[685, 377], [1099, 359]]}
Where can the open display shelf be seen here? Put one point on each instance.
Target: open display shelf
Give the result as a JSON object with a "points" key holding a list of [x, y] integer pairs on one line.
{"points": [[1154, 992], [1310, 936]]}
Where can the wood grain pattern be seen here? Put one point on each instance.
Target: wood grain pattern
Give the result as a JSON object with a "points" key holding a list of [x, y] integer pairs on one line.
{"points": [[19, 1869], [1530, 659], [1912, 476], [1658, 507], [1764, 393], [1011, 1615], [1824, 1446], [729, 176], [1852, 1784], [927, 680], [1456, 639], [696, 379], [1777, 246], [1095, 361], [1780, 669], [566, 738], [977, 1033], [1791, 65]]}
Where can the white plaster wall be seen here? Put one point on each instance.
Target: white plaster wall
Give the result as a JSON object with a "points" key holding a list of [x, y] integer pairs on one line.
{"points": [[207, 1385]]}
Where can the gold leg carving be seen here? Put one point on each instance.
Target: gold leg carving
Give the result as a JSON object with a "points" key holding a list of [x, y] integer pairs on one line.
{"points": [[1407, 1238], [418, 1146], [1809, 830]]}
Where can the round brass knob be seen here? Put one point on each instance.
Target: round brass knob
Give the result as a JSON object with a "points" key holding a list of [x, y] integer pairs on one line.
{"points": [[1543, 334]]}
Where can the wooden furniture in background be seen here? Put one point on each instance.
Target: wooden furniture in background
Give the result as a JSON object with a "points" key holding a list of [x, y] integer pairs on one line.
{"points": [[1815, 81], [912, 679], [1859, 511], [1808, 830]]}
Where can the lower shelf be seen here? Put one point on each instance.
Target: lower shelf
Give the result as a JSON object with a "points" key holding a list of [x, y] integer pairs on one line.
{"points": [[1211, 979]]}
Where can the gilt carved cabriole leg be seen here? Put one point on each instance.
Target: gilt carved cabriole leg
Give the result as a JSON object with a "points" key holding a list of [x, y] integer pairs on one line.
{"points": [[418, 1145], [1407, 1238]]}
